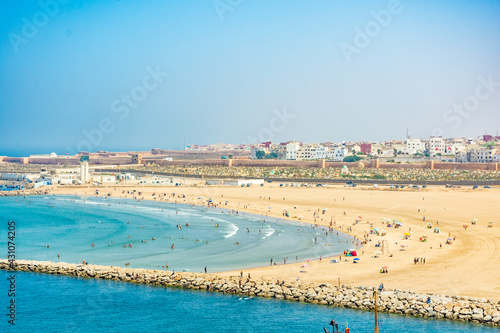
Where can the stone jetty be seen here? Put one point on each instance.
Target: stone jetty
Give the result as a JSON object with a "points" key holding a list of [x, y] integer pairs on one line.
{"points": [[458, 308]]}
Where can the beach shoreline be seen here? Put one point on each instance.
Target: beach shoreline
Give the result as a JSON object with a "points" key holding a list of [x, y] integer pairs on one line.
{"points": [[449, 269]]}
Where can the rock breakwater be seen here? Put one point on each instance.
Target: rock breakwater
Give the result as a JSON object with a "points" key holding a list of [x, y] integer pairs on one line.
{"points": [[459, 308]]}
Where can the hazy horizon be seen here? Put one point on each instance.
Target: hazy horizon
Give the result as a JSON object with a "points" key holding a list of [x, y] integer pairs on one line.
{"points": [[139, 74]]}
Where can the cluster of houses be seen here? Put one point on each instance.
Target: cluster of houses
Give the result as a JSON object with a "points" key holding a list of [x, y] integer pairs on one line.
{"points": [[438, 148]]}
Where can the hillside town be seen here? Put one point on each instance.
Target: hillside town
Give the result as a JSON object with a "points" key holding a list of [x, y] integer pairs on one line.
{"points": [[414, 160], [476, 150]]}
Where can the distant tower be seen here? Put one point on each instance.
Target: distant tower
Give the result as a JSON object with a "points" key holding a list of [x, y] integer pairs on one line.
{"points": [[137, 159], [84, 169]]}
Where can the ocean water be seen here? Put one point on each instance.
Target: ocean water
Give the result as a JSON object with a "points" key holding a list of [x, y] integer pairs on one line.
{"points": [[51, 303], [122, 231]]}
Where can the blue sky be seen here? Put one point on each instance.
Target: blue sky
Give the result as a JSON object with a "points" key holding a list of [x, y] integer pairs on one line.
{"points": [[135, 75]]}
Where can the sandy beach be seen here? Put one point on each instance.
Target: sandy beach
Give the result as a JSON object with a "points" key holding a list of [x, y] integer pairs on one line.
{"points": [[467, 267]]}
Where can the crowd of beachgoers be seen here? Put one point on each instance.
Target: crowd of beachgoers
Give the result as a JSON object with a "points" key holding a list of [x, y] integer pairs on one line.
{"points": [[329, 173]]}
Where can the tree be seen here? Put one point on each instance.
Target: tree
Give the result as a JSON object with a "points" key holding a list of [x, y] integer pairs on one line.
{"points": [[379, 151], [354, 158], [272, 155], [260, 154], [230, 156]]}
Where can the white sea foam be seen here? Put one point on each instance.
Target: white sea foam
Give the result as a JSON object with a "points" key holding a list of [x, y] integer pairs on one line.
{"points": [[233, 231], [269, 232], [79, 201]]}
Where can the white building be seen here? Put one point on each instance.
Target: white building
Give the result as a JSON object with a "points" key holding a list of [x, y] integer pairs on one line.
{"points": [[483, 155], [291, 151], [84, 169], [455, 148], [414, 146], [496, 157], [337, 154], [104, 179], [437, 145], [311, 152]]}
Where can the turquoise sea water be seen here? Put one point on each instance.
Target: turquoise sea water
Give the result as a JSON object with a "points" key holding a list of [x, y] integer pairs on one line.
{"points": [[51, 303], [69, 225], [46, 303]]}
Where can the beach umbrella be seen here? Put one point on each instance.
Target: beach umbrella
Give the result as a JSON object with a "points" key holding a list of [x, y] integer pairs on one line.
{"points": [[360, 217], [305, 265], [407, 233], [385, 267], [356, 259], [403, 245]]}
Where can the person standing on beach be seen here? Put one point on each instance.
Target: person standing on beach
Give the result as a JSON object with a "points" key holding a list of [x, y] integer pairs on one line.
{"points": [[205, 269]]}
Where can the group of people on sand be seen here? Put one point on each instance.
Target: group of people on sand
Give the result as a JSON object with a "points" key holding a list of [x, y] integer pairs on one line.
{"points": [[419, 260]]}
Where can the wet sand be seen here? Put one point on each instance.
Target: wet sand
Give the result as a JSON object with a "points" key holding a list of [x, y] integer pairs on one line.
{"points": [[468, 267]]}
